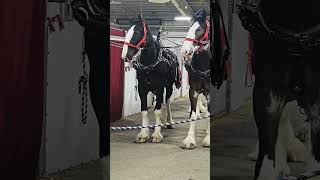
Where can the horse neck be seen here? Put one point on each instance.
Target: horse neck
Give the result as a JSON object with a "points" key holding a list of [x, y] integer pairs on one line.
{"points": [[150, 54]]}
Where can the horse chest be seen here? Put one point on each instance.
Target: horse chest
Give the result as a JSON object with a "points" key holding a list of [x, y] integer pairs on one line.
{"points": [[152, 79]]}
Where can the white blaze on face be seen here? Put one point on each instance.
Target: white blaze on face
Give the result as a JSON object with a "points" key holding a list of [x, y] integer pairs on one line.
{"points": [[127, 39], [188, 45]]}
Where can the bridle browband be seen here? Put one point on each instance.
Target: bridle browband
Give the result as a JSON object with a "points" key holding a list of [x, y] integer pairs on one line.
{"points": [[142, 41], [204, 40]]}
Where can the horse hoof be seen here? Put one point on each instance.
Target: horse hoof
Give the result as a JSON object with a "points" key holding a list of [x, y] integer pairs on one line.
{"points": [[142, 137], [142, 140], [157, 137], [171, 126], [206, 142], [189, 142], [190, 146]]}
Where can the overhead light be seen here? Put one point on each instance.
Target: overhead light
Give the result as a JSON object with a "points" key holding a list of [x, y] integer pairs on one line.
{"points": [[115, 2], [182, 18], [159, 1]]}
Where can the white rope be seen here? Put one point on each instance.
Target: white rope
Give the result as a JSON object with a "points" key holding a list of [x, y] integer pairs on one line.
{"points": [[156, 125]]}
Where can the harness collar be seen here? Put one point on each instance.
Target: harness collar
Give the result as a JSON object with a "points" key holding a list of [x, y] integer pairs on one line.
{"points": [[204, 40], [253, 21]]}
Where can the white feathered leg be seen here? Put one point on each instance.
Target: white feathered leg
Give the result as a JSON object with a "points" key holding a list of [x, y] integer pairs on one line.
{"points": [[143, 136]]}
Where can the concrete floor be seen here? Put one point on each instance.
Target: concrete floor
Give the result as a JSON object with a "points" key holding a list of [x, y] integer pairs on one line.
{"points": [[87, 171], [234, 137], [165, 161]]}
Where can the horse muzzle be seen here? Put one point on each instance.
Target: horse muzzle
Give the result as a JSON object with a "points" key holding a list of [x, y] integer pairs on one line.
{"points": [[187, 55], [126, 59]]}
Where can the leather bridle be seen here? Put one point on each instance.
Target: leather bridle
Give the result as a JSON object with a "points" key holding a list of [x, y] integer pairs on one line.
{"points": [[142, 41], [204, 39]]}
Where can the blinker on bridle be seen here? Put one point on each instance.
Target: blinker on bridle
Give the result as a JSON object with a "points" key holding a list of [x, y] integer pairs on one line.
{"points": [[204, 40]]}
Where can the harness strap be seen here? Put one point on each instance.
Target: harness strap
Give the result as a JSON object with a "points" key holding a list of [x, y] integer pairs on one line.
{"points": [[253, 21], [138, 66], [206, 34]]}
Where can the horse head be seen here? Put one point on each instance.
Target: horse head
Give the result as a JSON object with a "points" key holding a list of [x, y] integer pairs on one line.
{"points": [[135, 40], [197, 36]]}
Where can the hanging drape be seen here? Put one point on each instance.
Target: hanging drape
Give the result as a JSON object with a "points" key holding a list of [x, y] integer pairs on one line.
{"points": [[116, 76], [21, 86], [116, 83]]}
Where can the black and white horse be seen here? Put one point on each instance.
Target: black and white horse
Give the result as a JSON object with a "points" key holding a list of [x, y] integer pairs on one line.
{"points": [[157, 69], [286, 64], [196, 52]]}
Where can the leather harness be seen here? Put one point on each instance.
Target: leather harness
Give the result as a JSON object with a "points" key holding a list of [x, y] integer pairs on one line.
{"points": [[297, 42]]}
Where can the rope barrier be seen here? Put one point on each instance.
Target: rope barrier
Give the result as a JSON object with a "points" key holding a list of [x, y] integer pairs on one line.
{"points": [[158, 125]]}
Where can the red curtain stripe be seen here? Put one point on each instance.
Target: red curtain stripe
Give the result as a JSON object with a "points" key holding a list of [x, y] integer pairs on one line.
{"points": [[116, 77], [117, 32]]}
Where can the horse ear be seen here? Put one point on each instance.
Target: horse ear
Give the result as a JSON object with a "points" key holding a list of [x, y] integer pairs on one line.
{"points": [[203, 15], [139, 17]]}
